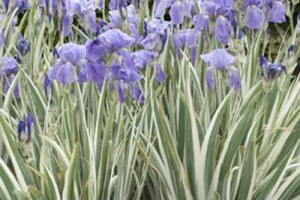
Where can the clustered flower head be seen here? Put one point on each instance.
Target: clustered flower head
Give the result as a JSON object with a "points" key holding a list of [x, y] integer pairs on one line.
{"points": [[121, 48], [269, 70], [89, 62]]}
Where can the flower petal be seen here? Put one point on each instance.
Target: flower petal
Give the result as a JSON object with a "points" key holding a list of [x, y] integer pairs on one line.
{"points": [[277, 13], [223, 29], [218, 58], [234, 80], [66, 73], [254, 17]]}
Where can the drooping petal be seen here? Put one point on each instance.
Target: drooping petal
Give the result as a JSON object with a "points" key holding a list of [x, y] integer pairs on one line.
{"points": [[83, 74], [277, 13], [202, 22], [210, 80], [122, 92], [176, 13], [67, 24], [127, 60], [210, 8], [53, 71], [254, 17], [223, 29], [137, 94], [115, 18], [96, 72], [113, 5], [95, 49], [47, 86], [66, 73], [234, 79], [9, 66], [160, 76]]}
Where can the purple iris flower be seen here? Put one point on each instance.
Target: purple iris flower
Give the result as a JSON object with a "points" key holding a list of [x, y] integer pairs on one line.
{"points": [[271, 71], [64, 69], [8, 72], [51, 7], [95, 49], [256, 11], [202, 22], [74, 64], [125, 78], [23, 45], [187, 38], [220, 12], [92, 71], [137, 60], [160, 76], [277, 12], [25, 128], [115, 39], [234, 79], [82, 9], [132, 21], [137, 94], [47, 86], [179, 9], [156, 35], [220, 59], [118, 4], [9, 66], [254, 17], [142, 57], [210, 78], [223, 29]]}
